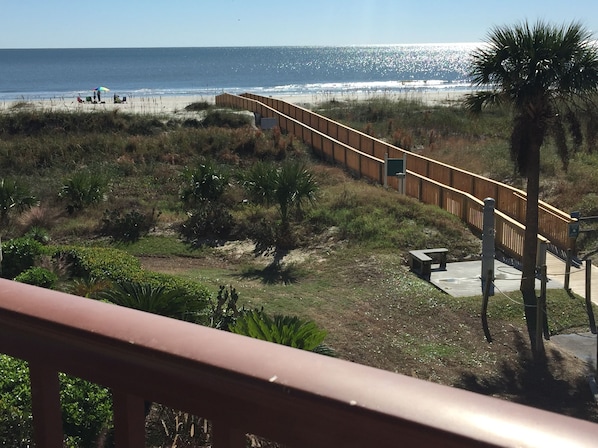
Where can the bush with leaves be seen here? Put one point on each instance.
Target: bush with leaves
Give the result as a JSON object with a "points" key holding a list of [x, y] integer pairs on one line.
{"points": [[83, 189], [129, 226], [99, 262], [107, 264], [38, 276], [86, 408], [208, 220], [204, 184], [19, 254], [201, 195], [227, 119], [224, 312]]}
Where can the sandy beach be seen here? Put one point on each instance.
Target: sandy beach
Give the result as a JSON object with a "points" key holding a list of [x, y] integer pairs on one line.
{"points": [[170, 105]]}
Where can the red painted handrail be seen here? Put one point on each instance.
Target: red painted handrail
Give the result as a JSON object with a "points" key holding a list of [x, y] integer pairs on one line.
{"points": [[248, 386]]}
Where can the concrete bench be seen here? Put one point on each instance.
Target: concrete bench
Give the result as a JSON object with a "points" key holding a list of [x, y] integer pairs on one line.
{"points": [[420, 261]]}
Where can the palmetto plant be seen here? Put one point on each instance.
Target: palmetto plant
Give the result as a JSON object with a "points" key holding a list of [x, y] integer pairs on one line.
{"points": [[82, 189], [14, 197], [289, 186], [285, 330], [154, 299], [548, 75]]}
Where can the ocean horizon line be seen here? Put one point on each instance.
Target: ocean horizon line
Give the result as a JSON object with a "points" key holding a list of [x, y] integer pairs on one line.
{"points": [[421, 44]]}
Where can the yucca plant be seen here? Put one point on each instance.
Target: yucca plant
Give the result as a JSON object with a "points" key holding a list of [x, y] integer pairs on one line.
{"points": [[285, 330]]}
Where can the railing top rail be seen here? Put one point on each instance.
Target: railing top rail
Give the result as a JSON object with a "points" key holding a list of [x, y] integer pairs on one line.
{"points": [[498, 213], [275, 391], [315, 131]]}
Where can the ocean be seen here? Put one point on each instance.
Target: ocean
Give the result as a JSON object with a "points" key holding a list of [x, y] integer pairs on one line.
{"points": [[65, 73]]}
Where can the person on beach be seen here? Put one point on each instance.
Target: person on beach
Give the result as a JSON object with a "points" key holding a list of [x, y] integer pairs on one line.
{"points": [[99, 96], [94, 96]]}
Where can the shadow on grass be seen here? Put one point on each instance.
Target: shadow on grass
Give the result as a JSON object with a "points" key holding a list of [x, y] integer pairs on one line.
{"points": [[545, 386], [276, 272], [273, 273]]}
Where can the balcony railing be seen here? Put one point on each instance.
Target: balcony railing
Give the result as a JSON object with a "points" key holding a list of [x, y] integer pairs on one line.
{"points": [[246, 386]]}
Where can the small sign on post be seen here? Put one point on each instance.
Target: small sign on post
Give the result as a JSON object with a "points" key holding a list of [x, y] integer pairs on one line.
{"points": [[573, 229], [395, 167]]}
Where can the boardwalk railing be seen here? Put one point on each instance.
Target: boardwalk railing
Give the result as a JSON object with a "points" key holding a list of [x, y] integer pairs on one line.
{"points": [[246, 386], [458, 191]]}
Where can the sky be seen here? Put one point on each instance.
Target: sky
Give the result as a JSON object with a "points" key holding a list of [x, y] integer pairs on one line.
{"points": [[221, 23]]}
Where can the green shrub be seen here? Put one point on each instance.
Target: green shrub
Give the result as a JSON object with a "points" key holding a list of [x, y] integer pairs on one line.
{"points": [[128, 227], [119, 267], [83, 189], [204, 184], [38, 276], [86, 407], [38, 234], [16, 421], [226, 119], [208, 221], [198, 106], [99, 262], [19, 254]]}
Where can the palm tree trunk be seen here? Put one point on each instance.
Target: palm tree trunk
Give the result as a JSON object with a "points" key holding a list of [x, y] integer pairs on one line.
{"points": [[530, 249]]}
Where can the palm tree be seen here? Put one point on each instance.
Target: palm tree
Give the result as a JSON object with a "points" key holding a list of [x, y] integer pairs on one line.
{"points": [[289, 186], [547, 75]]}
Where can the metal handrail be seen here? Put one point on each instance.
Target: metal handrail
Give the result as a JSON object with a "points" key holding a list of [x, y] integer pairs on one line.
{"points": [[248, 386]]}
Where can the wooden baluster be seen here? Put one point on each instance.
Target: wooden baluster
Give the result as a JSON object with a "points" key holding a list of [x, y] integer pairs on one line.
{"points": [[129, 420], [45, 405]]}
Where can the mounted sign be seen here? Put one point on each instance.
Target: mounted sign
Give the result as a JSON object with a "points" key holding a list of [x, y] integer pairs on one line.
{"points": [[395, 167]]}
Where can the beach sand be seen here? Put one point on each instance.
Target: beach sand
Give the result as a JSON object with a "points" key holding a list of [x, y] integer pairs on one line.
{"points": [[175, 105]]}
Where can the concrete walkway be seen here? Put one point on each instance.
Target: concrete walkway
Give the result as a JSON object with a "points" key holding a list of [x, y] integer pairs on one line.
{"points": [[463, 279]]}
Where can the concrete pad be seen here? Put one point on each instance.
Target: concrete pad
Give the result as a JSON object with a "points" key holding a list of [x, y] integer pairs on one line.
{"points": [[581, 345], [464, 279]]}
